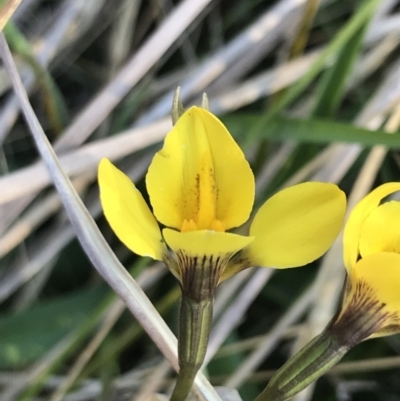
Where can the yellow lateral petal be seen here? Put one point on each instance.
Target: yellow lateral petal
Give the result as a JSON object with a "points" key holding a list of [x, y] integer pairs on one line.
{"points": [[200, 175], [352, 230], [380, 231], [297, 225], [127, 212], [381, 274], [205, 242]]}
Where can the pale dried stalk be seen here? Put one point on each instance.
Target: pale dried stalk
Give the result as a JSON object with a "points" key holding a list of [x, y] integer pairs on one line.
{"points": [[252, 342], [7, 11], [236, 310], [111, 316], [265, 347], [228, 290], [72, 14], [23, 272], [91, 117], [32, 178], [122, 32], [54, 241], [93, 242], [265, 30], [351, 367], [28, 223], [98, 110], [27, 180], [153, 382]]}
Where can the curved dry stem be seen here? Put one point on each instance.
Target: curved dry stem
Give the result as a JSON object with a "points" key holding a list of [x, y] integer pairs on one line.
{"points": [[93, 242]]}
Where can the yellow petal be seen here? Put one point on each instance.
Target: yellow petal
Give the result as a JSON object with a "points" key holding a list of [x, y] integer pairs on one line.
{"points": [[201, 258], [351, 234], [371, 303], [379, 274], [200, 179], [297, 225], [205, 242], [127, 212], [380, 231]]}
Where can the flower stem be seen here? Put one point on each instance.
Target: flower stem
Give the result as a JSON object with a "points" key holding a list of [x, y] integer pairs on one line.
{"points": [[360, 316], [194, 330], [315, 359]]}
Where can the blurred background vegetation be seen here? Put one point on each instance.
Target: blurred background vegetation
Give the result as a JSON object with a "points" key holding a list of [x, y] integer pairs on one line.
{"points": [[309, 88]]}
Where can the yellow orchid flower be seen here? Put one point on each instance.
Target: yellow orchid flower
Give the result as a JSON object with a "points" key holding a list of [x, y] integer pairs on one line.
{"points": [[371, 253], [371, 298], [200, 187]]}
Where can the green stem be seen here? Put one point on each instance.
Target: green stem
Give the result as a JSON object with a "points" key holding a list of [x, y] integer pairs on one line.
{"points": [[194, 330], [360, 316], [184, 383], [315, 359]]}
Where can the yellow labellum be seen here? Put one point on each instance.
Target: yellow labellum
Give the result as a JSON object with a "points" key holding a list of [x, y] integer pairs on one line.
{"points": [[205, 242]]}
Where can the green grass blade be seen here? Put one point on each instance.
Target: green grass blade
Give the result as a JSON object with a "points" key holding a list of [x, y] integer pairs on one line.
{"points": [[55, 105], [313, 130], [332, 85], [348, 31], [28, 335]]}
